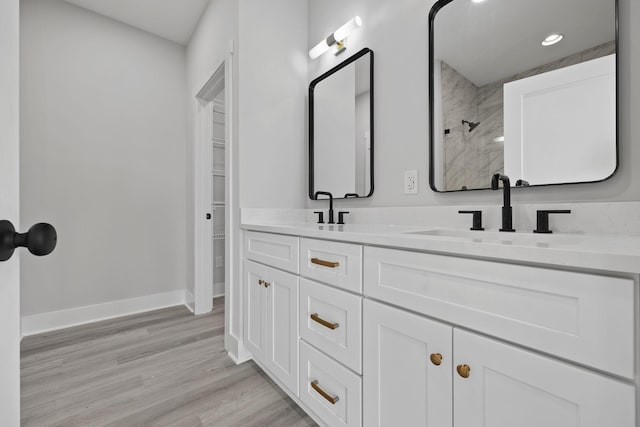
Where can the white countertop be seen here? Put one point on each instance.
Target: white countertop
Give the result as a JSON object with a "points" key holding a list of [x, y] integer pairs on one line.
{"points": [[598, 252]]}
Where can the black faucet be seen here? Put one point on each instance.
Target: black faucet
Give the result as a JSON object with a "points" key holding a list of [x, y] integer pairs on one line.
{"points": [[326, 193], [507, 219]]}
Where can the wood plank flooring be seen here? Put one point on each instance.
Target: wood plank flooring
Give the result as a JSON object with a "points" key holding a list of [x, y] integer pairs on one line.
{"points": [[162, 368]]}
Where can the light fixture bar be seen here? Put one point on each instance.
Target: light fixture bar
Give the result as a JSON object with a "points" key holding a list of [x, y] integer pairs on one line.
{"points": [[337, 37]]}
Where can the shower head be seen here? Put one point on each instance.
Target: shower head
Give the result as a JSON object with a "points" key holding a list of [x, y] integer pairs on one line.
{"points": [[472, 125]]}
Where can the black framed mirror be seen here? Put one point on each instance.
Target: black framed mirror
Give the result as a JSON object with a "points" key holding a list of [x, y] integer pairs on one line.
{"points": [[341, 129], [524, 88]]}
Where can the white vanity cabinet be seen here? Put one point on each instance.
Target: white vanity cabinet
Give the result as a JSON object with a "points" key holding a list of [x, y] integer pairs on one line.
{"points": [[419, 372], [271, 326], [509, 386], [407, 369], [363, 335]]}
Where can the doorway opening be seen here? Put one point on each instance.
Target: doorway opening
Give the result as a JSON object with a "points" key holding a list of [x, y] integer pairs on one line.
{"points": [[213, 117]]}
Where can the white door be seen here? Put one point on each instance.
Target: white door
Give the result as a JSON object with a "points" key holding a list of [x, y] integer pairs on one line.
{"points": [[506, 386], [282, 321], [256, 309], [9, 205], [407, 362], [560, 126]]}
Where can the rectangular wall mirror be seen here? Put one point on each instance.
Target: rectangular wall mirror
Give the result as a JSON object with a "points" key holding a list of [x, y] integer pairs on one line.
{"points": [[524, 88], [341, 129]]}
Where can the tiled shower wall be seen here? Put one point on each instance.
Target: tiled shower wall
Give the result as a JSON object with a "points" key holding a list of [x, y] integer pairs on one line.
{"points": [[472, 157]]}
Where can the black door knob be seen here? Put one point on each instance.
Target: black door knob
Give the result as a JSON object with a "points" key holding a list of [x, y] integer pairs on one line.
{"points": [[41, 239]]}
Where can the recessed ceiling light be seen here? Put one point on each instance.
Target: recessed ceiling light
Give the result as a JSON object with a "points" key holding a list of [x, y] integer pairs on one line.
{"points": [[477, 1], [551, 39], [498, 139]]}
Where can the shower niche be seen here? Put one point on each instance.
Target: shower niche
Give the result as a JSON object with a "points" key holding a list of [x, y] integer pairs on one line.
{"points": [[527, 89]]}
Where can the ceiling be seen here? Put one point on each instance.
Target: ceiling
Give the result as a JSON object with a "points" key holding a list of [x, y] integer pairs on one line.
{"points": [[494, 39], [174, 20]]}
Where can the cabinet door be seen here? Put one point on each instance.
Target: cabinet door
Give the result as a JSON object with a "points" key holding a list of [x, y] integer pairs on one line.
{"points": [[255, 327], [282, 323], [402, 385], [508, 386]]}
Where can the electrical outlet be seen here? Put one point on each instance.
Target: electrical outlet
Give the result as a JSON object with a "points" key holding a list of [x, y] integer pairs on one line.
{"points": [[219, 262], [411, 182]]}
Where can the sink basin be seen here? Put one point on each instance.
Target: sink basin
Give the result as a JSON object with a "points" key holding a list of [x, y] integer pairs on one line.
{"points": [[520, 239]]}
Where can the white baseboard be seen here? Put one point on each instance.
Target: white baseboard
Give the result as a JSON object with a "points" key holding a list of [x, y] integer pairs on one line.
{"points": [[238, 361], [51, 321], [190, 301], [218, 289]]}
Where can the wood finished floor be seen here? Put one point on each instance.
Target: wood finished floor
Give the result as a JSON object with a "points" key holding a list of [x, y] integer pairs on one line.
{"points": [[162, 368]]}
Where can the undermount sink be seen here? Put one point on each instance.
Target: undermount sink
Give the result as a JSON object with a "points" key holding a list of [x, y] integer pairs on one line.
{"points": [[505, 238]]}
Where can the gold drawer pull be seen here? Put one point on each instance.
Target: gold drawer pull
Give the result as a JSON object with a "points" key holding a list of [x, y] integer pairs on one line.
{"points": [[331, 399], [323, 322], [330, 264], [436, 358], [463, 370]]}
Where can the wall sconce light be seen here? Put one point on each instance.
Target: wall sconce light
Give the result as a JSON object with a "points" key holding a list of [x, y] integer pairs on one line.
{"points": [[338, 38]]}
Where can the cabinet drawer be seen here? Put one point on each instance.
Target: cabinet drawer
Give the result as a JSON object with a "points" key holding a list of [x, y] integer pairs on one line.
{"points": [[275, 250], [329, 389], [331, 320], [339, 264], [581, 317]]}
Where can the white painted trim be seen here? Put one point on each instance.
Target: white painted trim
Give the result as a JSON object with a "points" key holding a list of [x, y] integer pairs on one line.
{"points": [[189, 301], [239, 361], [54, 320], [233, 340], [203, 251], [203, 164]]}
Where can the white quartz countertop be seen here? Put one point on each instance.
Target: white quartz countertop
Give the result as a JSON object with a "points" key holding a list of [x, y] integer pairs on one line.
{"points": [[597, 252]]}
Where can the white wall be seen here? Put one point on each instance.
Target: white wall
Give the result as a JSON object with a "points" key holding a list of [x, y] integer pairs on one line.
{"points": [[9, 176], [103, 157], [335, 134], [363, 107], [273, 86], [207, 49], [268, 116], [397, 32]]}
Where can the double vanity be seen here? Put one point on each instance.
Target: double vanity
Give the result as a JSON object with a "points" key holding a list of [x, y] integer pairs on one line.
{"points": [[366, 325]]}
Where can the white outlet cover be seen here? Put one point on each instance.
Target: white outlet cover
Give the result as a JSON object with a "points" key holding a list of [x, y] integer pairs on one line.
{"points": [[411, 182]]}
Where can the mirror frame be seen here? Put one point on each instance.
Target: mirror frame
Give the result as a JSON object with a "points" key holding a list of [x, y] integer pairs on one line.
{"points": [[432, 15], [312, 86]]}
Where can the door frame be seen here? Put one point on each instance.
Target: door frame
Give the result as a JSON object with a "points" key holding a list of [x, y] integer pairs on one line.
{"points": [[203, 188], [222, 78]]}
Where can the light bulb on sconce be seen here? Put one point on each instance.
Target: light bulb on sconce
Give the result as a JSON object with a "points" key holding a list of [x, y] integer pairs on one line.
{"points": [[337, 38]]}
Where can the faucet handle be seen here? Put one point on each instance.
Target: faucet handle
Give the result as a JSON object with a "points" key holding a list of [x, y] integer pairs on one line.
{"points": [[477, 219], [542, 220], [341, 217], [320, 217]]}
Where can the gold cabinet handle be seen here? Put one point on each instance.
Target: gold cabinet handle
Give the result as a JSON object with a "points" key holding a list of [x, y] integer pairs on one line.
{"points": [[436, 358], [463, 370], [266, 284], [323, 322], [331, 399], [330, 264], [260, 282]]}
